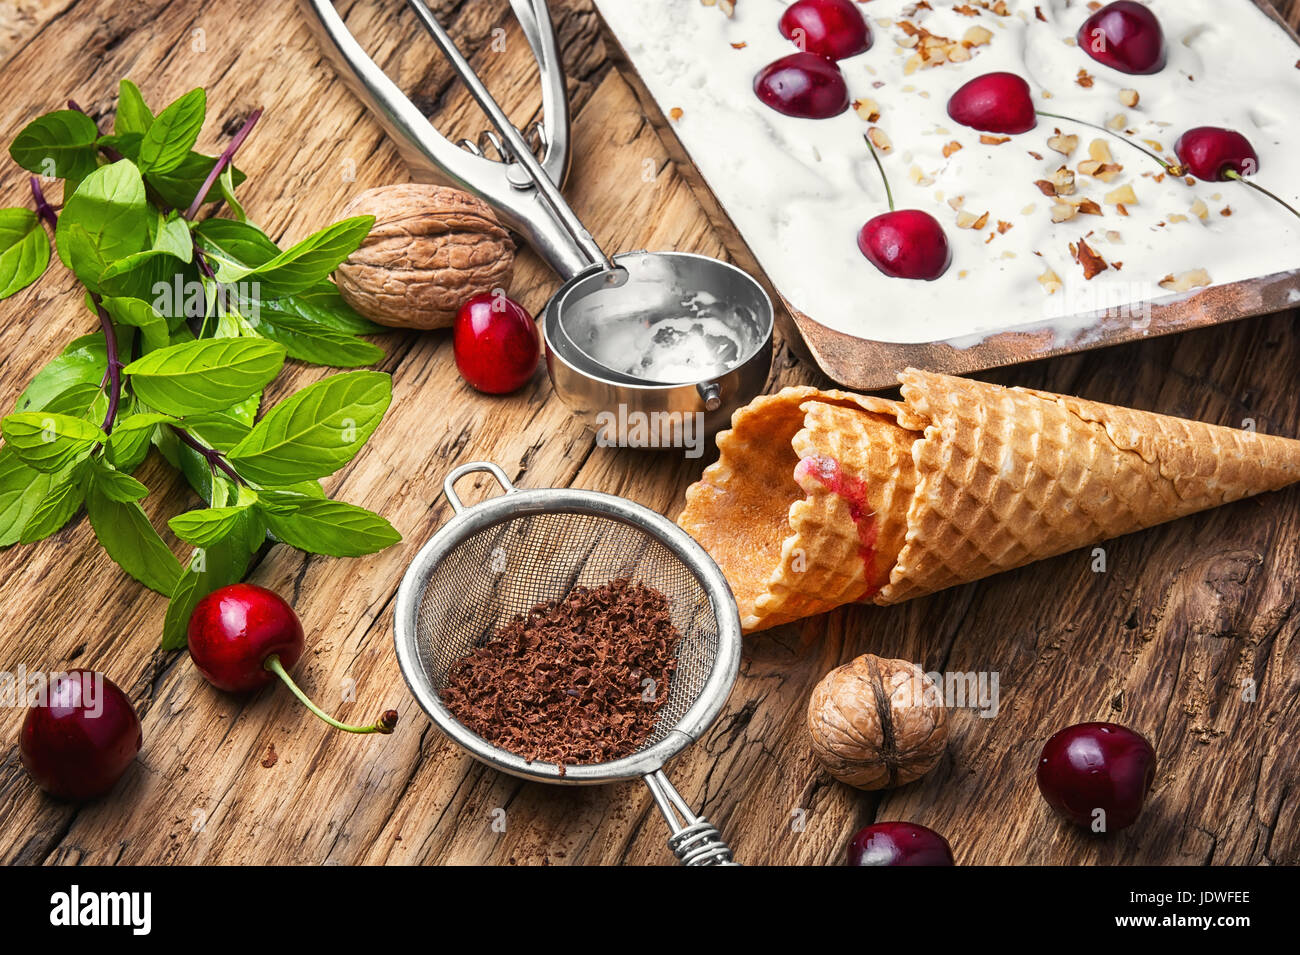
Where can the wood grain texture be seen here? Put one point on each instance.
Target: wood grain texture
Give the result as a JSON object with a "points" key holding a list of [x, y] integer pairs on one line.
{"points": [[1162, 640]]}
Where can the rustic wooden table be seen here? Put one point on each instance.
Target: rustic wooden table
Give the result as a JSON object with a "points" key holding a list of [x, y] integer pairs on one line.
{"points": [[1163, 640]]}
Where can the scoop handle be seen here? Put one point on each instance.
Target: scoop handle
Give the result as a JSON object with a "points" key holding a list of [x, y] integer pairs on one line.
{"points": [[694, 841]]}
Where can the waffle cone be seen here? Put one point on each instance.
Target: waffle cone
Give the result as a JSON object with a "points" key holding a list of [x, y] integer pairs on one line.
{"points": [[822, 498]]}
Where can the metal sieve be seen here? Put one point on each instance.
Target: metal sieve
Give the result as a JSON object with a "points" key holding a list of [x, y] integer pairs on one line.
{"points": [[505, 555]]}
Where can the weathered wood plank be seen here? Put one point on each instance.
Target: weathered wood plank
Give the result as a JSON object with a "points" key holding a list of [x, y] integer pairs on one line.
{"points": [[1161, 640]]}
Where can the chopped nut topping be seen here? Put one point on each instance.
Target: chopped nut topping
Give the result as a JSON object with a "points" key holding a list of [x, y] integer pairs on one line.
{"points": [[1093, 264], [1200, 210], [950, 148], [675, 113], [880, 139], [919, 177], [1088, 207], [994, 140], [1084, 78], [1063, 181], [1063, 212], [1099, 149], [1196, 278], [1038, 156], [981, 222], [1129, 98], [1046, 187], [868, 109], [739, 46], [977, 36], [1117, 122], [956, 201], [1123, 195], [1051, 282], [1063, 144], [1003, 226], [1177, 217], [1031, 208]]}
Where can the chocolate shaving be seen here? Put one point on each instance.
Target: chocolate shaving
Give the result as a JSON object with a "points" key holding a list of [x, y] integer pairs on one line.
{"points": [[575, 680]]}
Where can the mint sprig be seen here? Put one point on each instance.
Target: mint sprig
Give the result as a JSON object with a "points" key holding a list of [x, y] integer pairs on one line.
{"points": [[195, 318]]}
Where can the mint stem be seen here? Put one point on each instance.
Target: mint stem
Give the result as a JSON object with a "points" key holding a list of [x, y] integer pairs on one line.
{"points": [[223, 160], [43, 208], [214, 457], [114, 370]]}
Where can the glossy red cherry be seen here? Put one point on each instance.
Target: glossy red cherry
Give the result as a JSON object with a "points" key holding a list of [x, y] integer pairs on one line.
{"points": [[906, 244], [1126, 36], [242, 637], [496, 344], [1097, 775], [834, 29], [994, 103], [79, 742], [804, 85], [899, 843], [1210, 152]]}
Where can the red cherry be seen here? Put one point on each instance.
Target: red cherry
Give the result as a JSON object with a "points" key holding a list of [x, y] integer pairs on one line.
{"points": [[496, 344], [906, 244], [242, 636], [834, 29], [80, 740], [1209, 152], [804, 85], [1097, 766], [1126, 36], [994, 103], [899, 843]]}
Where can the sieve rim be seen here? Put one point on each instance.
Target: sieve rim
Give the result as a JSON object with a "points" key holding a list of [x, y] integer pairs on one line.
{"points": [[516, 502]]}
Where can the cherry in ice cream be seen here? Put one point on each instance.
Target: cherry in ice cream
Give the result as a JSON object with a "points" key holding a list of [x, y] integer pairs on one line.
{"points": [[496, 344], [242, 637], [804, 85], [1097, 774], [994, 103], [1215, 154], [904, 243], [834, 29], [79, 741], [1126, 36], [899, 843]]}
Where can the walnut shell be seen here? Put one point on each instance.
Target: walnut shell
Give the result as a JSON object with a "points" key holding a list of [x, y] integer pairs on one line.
{"points": [[877, 723], [431, 248]]}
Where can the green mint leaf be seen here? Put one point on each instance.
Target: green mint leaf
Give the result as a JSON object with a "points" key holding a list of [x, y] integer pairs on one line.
{"points": [[314, 432], [21, 491], [138, 313], [106, 219], [325, 306], [226, 182], [24, 250], [126, 144], [49, 442], [126, 534], [82, 400], [172, 135], [205, 527], [173, 237], [305, 264], [58, 145], [82, 362], [307, 341], [133, 115], [204, 375], [235, 244], [219, 564], [216, 430], [60, 503], [331, 527], [177, 187], [115, 485]]}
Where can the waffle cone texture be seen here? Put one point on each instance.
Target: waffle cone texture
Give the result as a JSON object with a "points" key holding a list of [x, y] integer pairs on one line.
{"points": [[824, 498]]}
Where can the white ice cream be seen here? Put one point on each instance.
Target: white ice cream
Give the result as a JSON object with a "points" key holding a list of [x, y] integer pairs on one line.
{"points": [[800, 189]]}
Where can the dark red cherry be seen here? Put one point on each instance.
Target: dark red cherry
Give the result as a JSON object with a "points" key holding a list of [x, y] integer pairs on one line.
{"points": [[1210, 152], [831, 28], [994, 103], [804, 85], [1097, 775], [899, 843], [79, 742], [495, 343], [906, 244], [1126, 36]]}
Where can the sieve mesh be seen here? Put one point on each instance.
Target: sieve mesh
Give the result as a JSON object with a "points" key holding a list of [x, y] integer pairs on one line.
{"points": [[510, 566]]}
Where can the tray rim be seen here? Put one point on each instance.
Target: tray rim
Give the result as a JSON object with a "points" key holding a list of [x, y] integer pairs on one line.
{"points": [[873, 365]]}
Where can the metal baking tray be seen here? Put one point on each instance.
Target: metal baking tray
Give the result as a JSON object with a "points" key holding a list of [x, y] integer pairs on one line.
{"points": [[869, 365]]}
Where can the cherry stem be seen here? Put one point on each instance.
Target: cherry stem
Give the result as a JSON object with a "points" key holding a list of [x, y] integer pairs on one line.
{"points": [[227, 155], [874, 155], [1233, 174], [1167, 167], [384, 725]]}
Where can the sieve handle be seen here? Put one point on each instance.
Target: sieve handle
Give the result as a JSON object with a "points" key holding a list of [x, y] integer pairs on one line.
{"points": [[694, 840], [449, 484]]}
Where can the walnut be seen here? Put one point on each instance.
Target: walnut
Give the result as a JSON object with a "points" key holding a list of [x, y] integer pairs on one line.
{"points": [[431, 248], [877, 723]]}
